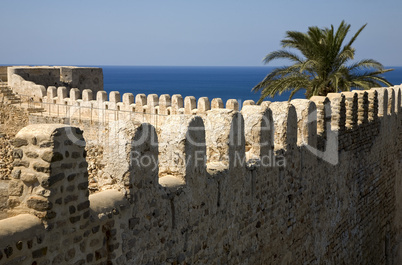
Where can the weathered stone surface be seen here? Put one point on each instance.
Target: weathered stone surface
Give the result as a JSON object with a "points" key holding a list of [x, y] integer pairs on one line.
{"points": [[42, 167], [309, 211], [21, 163], [70, 198], [13, 202], [16, 173], [55, 178], [39, 203], [17, 154], [46, 144], [50, 156], [17, 142], [83, 206], [39, 253], [32, 80], [259, 131], [29, 177], [15, 188], [31, 154]]}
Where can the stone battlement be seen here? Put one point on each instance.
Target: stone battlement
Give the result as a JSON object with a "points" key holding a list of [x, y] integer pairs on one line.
{"points": [[96, 105], [302, 182], [34, 81]]}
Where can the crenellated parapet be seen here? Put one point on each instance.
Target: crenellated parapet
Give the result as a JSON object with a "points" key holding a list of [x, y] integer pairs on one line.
{"points": [[353, 110], [49, 167], [182, 155], [52, 217], [85, 105], [363, 106], [198, 188], [33, 82], [285, 125], [337, 121], [258, 130], [338, 112], [306, 111], [77, 93]]}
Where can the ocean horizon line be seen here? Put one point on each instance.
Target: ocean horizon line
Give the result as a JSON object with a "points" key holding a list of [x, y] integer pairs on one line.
{"points": [[129, 65]]}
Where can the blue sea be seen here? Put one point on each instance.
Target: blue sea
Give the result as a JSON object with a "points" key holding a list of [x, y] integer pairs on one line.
{"points": [[212, 82]]}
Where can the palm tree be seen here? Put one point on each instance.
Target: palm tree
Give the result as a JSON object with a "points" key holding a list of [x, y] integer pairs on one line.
{"points": [[322, 66]]}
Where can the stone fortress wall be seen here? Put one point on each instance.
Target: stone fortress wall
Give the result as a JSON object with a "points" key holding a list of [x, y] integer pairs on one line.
{"points": [[303, 182], [73, 103], [33, 81], [51, 87]]}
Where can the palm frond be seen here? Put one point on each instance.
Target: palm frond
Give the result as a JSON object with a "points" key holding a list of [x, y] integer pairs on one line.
{"points": [[356, 35], [366, 64], [281, 54], [323, 65]]}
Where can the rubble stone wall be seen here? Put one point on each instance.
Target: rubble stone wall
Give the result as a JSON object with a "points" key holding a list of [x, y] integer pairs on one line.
{"points": [[222, 187]]}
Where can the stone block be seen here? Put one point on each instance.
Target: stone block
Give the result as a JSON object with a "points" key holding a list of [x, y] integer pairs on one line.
{"points": [[39, 203]]}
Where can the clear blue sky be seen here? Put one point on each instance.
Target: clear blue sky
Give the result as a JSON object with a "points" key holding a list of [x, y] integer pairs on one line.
{"points": [[179, 32]]}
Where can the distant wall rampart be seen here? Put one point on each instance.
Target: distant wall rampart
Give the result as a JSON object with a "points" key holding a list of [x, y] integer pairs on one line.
{"points": [[34, 81]]}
